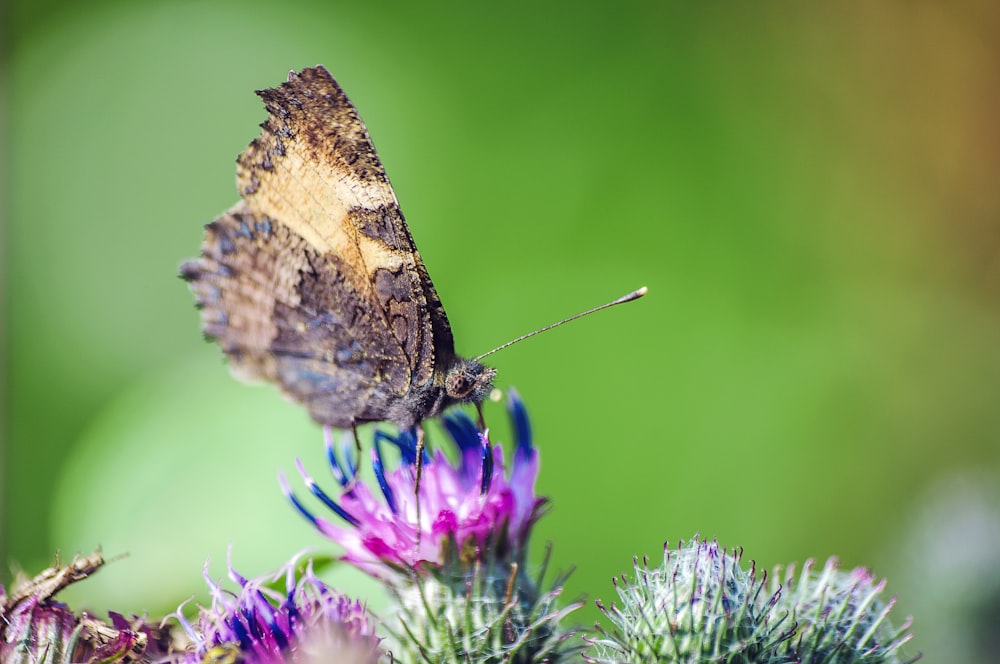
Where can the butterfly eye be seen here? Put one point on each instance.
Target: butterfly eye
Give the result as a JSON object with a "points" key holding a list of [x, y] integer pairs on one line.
{"points": [[469, 381], [458, 385]]}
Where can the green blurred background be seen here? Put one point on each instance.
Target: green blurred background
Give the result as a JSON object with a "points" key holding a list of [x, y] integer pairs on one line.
{"points": [[810, 191]]}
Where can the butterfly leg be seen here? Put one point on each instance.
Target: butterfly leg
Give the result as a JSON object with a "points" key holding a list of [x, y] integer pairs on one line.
{"points": [[420, 456], [357, 459], [357, 442], [419, 470], [482, 419]]}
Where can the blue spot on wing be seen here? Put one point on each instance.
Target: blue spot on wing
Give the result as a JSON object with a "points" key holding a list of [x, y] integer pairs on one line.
{"points": [[325, 320]]}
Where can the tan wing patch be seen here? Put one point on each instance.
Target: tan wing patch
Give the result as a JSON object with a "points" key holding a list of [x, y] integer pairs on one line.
{"points": [[312, 204], [314, 169]]}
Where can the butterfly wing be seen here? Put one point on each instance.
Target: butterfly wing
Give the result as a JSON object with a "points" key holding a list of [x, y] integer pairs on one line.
{"points": [[313, 280]]}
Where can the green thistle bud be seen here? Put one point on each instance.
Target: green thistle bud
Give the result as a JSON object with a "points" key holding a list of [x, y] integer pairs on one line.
{"points": [[702, 607], [483, 615], [699, 606], [839, 617]]}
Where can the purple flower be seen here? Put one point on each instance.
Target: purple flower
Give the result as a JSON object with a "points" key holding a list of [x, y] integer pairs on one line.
{"points": [[309, 622], [471, 508], [458, 574]]}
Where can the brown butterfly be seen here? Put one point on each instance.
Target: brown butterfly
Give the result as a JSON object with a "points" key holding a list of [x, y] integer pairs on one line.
{"points": [[312, 280]]}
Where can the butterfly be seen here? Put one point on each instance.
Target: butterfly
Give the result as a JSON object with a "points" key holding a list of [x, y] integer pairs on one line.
{"points": [[313, 282]]}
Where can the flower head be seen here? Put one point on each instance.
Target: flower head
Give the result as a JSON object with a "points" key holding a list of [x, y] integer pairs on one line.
{"points": [[470, 508], [699, 605], [702, 606], [457, 570], [34, 627], [839, 616], [309, 622]]}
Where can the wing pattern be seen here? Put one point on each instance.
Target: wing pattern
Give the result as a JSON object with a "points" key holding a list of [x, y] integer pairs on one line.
{"points": [[313, 280]]}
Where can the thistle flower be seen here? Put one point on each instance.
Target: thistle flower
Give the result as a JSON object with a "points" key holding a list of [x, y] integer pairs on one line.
{"points": [[36, 628], [308, 623], [458, 571], [698, 606], [839, 616], [470, 509], [701, 606]]}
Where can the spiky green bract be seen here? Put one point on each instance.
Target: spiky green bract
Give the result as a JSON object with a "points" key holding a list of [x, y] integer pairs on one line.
{"points": [[477, 602], [839, 617], [700, 605], [477, 608]]}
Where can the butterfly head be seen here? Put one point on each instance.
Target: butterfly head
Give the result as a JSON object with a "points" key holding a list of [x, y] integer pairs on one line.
{"points": [[469, 381]]}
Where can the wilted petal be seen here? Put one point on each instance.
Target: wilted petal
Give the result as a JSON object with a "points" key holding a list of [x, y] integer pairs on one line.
{"points": [[36, 628]]}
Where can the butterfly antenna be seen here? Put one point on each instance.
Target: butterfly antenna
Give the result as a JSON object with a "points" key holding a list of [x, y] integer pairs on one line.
{"points": [[634, 295]]}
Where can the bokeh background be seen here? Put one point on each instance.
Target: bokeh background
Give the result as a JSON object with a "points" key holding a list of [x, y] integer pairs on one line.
{"points": [[811, 192]]}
